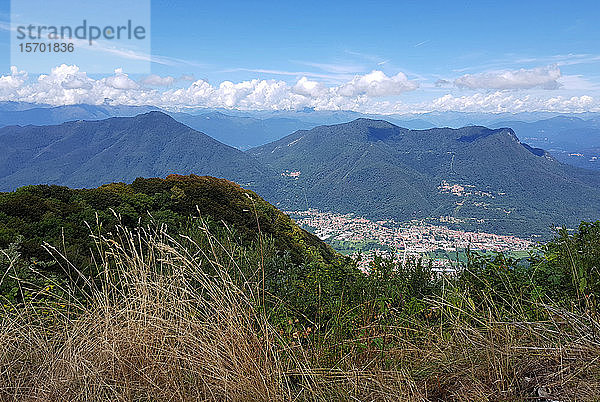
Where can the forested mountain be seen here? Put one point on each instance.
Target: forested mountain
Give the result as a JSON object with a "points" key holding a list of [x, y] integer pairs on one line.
{"points": [[482, 178], [91, 153], [473, 177]]}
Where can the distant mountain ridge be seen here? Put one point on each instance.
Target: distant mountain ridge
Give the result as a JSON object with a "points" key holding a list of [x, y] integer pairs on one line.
{"points": [[570, 139], [565, 136], [242, 132], [22, 115], [561, 131]]}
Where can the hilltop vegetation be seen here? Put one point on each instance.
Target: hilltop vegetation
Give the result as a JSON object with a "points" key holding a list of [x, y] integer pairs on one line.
{"points": [[63, 218], [194, 288]]}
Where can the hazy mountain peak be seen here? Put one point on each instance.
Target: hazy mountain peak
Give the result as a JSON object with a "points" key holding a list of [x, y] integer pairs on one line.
{"points": [[366, 122], [155, 116]]}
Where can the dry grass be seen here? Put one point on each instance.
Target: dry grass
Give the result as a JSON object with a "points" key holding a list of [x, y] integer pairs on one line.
{"points": [[160, 328]]}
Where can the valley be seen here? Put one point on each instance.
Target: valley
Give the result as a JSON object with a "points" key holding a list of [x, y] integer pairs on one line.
{"points": [[429, 239]]}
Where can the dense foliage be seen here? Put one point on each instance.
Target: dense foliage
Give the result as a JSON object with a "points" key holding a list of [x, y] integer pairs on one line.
{"points": [[34, 218]]}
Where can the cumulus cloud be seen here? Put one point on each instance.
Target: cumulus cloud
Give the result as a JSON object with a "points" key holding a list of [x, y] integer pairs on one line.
{"points": [[503, 101], [540, 77], [154, 80], [306, 87], [120, 81], [376, 84], [368, 93], [68, 85], [14, 80]]}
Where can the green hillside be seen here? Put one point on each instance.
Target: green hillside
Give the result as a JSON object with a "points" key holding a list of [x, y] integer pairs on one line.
{"points": [[91, 153], [486, 178], [66, 218]]}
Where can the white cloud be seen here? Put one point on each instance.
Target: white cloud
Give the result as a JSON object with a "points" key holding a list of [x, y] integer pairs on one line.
{"points": [[540, 77], [377, 84], [120, 81], [504, 101], [309, 88], [68, 85], [374, 92], [14, 80], [63, 85], [154, 80]]}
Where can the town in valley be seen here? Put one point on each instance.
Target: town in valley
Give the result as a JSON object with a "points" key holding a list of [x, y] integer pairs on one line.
{"points": [[437, 244]]}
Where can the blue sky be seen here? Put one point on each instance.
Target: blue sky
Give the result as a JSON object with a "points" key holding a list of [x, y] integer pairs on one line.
{"points": [[451, 55], [424, 37]]}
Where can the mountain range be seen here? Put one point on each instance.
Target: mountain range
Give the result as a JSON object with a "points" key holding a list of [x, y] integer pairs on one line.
{"points": [[20, 114], [472, 178], [242, 132], [571, 138]]}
